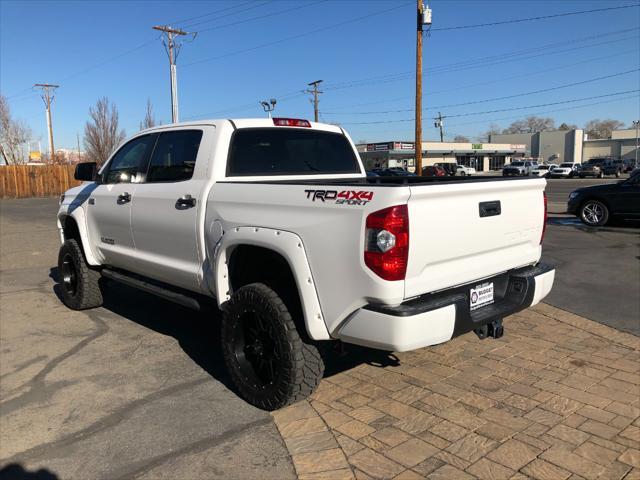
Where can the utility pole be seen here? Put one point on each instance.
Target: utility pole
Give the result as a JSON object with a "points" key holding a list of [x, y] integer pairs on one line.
{"points": [[423, 18], [173, 48], [315, 92], [636, 123], [418, 133], [78, 139], [47, 97], [439, 124], [269, 106]]}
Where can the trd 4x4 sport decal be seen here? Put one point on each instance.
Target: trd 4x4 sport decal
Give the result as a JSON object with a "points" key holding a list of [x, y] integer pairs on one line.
{"points": [[345, 197]]}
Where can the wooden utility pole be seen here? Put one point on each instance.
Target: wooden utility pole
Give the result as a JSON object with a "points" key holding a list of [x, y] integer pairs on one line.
{"points": [[315, 92], [47, 97], [173, 48], [439, 124], [418, 136]]}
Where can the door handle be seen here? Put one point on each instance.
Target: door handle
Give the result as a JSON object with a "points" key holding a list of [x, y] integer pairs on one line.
{"points": [[124, 198], [184, 202], [489, 209]]}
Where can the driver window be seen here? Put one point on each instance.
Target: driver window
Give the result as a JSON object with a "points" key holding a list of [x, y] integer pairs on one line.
{"points": [[125, 164]]}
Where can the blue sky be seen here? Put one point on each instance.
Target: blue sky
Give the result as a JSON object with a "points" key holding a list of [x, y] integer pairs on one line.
{"points": [[363, 50]]}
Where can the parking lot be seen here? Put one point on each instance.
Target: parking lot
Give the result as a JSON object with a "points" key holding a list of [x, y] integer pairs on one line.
{"points": [[137, 389]]}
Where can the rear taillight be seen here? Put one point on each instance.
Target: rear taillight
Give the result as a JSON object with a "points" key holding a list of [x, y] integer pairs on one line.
{"points": [[386, 249], [291, 122], [544, 225]]}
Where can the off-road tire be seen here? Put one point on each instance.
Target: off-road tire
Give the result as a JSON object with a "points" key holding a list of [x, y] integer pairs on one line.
{"points": [[79, 283], [299, 367], [594, 213]]}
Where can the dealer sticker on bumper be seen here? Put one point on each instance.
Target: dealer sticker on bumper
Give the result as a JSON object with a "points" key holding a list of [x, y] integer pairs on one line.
{"points": [[481, 295]]}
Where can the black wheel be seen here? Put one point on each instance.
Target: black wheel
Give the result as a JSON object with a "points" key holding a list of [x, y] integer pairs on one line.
{"points": [[617, 173], [594, 213], [601, 175], [80, 284], [462, 173], [269, 362]]}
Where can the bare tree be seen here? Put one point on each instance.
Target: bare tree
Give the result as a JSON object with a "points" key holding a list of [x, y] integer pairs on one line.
{"points": [[494, 129], [102, 133], [567, 126], [460, 139], [531, 124], [602, 128], [149, 119], [13, 135]]}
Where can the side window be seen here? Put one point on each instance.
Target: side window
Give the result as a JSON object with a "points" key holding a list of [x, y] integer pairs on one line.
{"points": [[174, 157], [125, 164]]}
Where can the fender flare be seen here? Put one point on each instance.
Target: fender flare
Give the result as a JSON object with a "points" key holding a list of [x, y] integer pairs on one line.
{"points": [[78, 216], [291, 248]]}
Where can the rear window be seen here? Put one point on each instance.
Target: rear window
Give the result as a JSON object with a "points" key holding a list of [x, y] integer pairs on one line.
{"points": [[289, 151], [517, 164]]}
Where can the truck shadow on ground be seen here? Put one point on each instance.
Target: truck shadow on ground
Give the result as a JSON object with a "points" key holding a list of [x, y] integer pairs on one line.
{"points": [[15, 471], [198, 333]]}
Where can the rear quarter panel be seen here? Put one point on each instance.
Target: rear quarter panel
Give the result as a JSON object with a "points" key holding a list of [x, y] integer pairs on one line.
{"points": [[332, 233]]}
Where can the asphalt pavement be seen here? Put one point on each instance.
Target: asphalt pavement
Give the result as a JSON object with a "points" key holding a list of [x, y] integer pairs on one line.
{"points": [[598, 269], [135, 389]]}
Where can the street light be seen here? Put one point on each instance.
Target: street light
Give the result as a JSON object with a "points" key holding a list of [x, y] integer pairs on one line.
{"points": [[269, 106]]}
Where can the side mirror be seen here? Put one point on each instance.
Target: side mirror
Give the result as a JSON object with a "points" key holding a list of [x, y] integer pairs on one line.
{"points": [[86, 171]]}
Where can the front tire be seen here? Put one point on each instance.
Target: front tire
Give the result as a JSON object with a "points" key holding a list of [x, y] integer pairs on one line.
{"points": [[80, 284], [594, 213], [463, 173], [269, 362]]}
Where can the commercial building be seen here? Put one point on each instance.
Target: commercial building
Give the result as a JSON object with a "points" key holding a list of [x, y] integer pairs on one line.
{"points": [[481, 156], [555, 147], [622, 144]]}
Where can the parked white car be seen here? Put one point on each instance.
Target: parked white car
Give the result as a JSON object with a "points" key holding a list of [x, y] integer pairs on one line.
{"points": [[565, 170], [275, 222], [463, 170], [543, 170]]}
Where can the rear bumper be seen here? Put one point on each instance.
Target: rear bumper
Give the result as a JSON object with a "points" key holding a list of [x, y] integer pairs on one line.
{"points": [[435, 318]]}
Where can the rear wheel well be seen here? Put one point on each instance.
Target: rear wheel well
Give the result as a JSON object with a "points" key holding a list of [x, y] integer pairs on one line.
{"points": [[250, 264]]}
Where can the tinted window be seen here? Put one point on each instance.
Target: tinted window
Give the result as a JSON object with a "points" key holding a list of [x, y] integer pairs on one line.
{"points": [[125, 164], [517, 164], [286, 151], [174, 157]]}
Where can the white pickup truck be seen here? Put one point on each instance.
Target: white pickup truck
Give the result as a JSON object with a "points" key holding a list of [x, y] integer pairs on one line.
{"points": [[276, 221]]}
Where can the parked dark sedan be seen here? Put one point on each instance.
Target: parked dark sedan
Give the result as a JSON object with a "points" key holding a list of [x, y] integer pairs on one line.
{"points": [[598, 204]]}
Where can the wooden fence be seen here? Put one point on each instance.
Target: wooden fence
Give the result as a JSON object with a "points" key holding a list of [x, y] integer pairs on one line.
{"points": [[22, 181]]}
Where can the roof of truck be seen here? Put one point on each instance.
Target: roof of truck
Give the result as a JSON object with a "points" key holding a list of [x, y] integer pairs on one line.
{"points": [[247, 123]]}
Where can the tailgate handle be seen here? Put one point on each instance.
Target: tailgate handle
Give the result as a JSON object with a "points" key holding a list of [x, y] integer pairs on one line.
{"points": [[490, 209]]}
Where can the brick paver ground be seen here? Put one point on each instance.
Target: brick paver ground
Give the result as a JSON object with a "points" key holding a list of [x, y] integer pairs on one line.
{"points": [[558, 397]]}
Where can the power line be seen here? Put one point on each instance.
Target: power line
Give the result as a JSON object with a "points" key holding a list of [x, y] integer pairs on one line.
{"points": [[262, 17], [475, 122], [530, 19], [478, 62], [497, 110], [493, 120], [533, 92], [184, 21], [293, 37], [489, 82]]}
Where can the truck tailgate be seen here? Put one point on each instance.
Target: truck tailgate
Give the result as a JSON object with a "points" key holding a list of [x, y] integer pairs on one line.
{"points": [[469, 231]]}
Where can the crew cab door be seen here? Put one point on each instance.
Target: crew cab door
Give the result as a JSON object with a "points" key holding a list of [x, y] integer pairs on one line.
{"points": [[166, 206], [109, 206]]}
